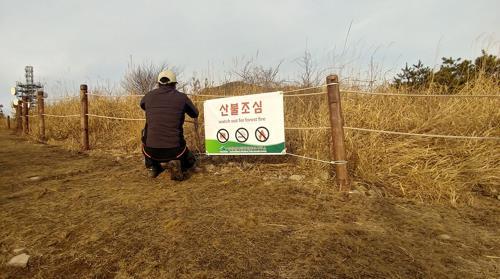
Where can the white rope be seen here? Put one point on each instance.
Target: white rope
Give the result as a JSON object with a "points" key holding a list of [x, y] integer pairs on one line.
{"points": [[61, 116], [142, 95], [104, 95], [397, 133], [117, 118], [318, 160], [284, 92], [113, 96], [123, 118], [204, 95], [224, 96], [312, 87], [297, 95], [358, 80], [306, 94], [419, 95], [305, 128], [61, 98], [304, 157], [421, 135]]}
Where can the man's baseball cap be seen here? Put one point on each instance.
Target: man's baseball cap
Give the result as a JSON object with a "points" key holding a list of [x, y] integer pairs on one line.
{"points": [[167, 77]]}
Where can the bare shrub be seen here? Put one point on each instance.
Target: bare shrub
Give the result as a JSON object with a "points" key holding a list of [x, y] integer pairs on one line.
{"points": [[252, 73], [310, 74], [141, 78]]}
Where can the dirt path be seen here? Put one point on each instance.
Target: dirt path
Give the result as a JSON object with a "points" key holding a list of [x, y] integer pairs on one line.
{"points": [[94, 216]]}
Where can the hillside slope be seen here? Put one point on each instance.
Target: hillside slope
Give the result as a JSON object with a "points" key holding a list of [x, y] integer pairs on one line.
{"points": [[84, 215]]}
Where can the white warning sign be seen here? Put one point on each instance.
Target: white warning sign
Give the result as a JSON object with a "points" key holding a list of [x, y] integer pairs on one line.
{"points": [[245, 125]]}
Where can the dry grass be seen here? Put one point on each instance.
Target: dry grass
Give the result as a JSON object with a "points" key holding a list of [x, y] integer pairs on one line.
{"points": [[425, 169], [99, 217], [3, 122]]}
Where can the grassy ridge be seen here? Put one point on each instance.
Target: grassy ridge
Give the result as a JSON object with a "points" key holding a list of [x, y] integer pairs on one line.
{"points": [[426, 169]]}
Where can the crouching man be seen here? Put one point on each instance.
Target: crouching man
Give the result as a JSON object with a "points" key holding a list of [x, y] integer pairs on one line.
{"points": [[163, 137]]}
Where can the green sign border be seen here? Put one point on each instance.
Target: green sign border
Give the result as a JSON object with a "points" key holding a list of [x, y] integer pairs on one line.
{"points": [[215, 147]]}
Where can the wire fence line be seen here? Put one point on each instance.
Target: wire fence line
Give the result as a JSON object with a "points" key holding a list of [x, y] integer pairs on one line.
{"points": [[358, 80], [98, 116], [194, 122], [298, 95], [297, 156], [222, 96], [58, 116], [114, 96], [62, 98], [287, 94], [125, 118], [284, 92], [142, 95], [420, 95], [312, 87], [116, 118], [101, 116], [317, 160], [398, 133], [422, 135], [307, 94], [306, 128], [303, 128]]}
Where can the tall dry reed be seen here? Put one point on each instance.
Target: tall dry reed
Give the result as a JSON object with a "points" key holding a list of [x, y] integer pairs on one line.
{"points": [[426, 169]]}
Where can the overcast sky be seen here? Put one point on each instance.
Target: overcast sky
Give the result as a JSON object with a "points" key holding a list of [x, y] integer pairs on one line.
{"points": [[72, 42]]}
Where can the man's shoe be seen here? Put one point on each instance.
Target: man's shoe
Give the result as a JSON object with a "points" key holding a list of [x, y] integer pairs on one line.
{"points": [[153, 172], [175, 170], [196, 169]]}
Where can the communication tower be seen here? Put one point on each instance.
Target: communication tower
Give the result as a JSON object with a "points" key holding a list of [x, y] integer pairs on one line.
{"points": [[29, 88]]}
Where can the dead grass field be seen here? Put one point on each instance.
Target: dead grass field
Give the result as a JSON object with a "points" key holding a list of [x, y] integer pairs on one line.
{"points": [[432, 170], [98, 216]]}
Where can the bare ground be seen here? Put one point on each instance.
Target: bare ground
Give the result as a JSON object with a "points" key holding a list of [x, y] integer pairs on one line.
{"points": [[96, 216]]}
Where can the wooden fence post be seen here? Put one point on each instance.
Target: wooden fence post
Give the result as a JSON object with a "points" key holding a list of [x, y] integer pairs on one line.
{"points": [[84, 116], [337, 127], [41, 115], [8, 122], [26, 125], [197, 135], [19, 118]]}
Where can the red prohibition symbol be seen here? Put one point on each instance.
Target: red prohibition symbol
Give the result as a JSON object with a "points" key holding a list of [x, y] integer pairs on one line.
{"points": [[241, 135], [262, 134], [222, 135]]}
